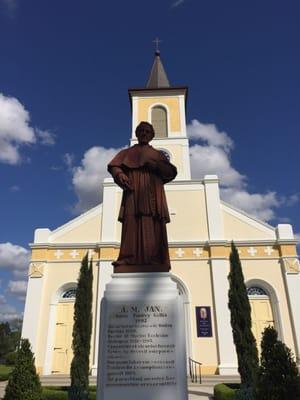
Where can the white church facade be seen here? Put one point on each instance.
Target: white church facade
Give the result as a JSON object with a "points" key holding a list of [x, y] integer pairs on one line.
{"points": [[200, 233]]}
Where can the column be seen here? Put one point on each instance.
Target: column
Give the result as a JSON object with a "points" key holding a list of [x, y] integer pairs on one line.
{"points": [[220, 270], [291, 276]]}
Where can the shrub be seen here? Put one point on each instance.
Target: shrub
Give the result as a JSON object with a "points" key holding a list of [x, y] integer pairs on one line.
{"points": [[245, 393], [23, 382], [53, 394], [278, 375], [56, 393], [223, 392]]}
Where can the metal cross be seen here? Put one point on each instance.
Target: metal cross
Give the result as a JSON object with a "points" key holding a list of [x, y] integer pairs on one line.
{"points": [[157, 41]]}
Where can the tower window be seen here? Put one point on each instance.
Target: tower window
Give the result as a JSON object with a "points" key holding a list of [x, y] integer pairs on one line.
{"points": [[159, 121]]}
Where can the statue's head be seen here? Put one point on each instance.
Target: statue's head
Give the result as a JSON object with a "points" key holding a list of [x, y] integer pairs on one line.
{"points": [[144, 132]]}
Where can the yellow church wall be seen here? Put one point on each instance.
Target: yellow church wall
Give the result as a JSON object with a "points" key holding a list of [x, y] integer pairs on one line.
{"points": [[196, 275], [177, 158], [172, 104], [86, 232], [57, 275], [188, 215], [235, 228], [269, 271]]}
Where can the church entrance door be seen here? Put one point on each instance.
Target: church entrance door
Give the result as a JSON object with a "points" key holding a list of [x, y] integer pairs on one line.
{"points": [[261, 315], [62, 351]]}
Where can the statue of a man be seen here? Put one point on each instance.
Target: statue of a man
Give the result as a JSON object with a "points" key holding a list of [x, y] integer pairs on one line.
{"points": [[141, 171]]}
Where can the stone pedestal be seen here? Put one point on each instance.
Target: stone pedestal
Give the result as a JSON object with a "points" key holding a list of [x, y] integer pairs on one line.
{"points": [[142, 339]]}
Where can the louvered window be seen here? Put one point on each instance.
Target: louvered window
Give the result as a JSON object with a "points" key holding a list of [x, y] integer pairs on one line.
{"points": [[159, 121]]}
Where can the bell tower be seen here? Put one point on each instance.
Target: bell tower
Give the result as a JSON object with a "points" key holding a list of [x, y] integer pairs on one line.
{"points": [[164, 107]]}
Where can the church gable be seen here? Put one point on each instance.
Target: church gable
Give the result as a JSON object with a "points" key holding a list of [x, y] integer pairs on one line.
{"points": [[84, 229], [240, 226]]}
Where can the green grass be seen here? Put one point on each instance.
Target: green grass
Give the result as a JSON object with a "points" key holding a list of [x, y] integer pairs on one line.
{"points": [[5, 370], [223, 392]]}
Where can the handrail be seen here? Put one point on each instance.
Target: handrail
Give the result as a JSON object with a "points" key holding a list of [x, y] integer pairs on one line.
{"points": [[195, 370]]}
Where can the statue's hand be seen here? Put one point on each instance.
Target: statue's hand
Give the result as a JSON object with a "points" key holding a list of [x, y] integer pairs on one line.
{"points": [[124, 181]]}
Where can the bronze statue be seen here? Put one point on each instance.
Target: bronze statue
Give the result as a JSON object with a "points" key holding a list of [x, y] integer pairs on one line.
{"points": [[141, 172]]}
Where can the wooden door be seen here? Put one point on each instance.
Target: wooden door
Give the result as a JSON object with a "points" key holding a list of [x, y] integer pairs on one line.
{"points": [[262, 316], [62, 351]]}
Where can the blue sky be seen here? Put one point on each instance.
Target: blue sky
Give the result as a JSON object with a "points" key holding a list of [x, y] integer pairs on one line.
{"points": [[64, 73]]}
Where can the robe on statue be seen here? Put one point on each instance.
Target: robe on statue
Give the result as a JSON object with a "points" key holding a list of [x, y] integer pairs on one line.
{"points": [[144, 211]]}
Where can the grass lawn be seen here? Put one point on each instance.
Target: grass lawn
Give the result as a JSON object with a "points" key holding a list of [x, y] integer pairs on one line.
{"points": [[5, 370]]}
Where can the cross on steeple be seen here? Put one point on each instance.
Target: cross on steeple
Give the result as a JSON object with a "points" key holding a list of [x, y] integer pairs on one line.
{"points": [[157, 41]]}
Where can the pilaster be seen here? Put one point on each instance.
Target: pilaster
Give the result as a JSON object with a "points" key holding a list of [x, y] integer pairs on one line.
{"points": [[291, 276]]}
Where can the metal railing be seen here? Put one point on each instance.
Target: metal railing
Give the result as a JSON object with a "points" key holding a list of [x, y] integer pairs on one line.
{"points": [[195, 370]]}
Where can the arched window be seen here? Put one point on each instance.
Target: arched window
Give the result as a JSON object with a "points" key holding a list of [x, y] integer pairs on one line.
{"points": [[69, 294], [159, 121], [256, 291]]}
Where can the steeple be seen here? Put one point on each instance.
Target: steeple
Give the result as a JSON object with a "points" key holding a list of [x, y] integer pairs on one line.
{"points": [[158, 77]]}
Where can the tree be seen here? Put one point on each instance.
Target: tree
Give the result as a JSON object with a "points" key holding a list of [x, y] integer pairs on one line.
{"points": [[278, 374], [23, 382], [82, 330], [5, 339], [240, 311], [10, 334]]}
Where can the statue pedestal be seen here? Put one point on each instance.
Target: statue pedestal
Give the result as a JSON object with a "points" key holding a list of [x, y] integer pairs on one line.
{"points": [[142, 340]]}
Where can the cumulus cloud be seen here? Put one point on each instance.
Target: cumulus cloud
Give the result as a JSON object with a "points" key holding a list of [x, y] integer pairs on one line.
{"points": [[88, 177], [211, 155], [46, 138], [17, 288], [16, 131], [14, 258], [7, 311], [210, 134]]}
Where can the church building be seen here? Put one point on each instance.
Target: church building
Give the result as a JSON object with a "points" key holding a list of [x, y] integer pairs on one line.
{"points": [[200, 233]]}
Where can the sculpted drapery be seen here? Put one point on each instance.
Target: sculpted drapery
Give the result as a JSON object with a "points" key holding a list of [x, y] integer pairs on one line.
{"points": [[141, 171]]}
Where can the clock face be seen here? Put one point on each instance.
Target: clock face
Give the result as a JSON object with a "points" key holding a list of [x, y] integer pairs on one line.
{"points": [[165, 153]]}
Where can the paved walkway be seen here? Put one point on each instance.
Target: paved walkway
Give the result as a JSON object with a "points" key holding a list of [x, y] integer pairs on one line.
{"points": [[199, 392]]}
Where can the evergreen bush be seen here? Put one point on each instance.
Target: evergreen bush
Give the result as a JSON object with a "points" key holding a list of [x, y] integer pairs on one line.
{"points": [[82, 330], [223, 392], [278, 375], [240, 312], [23, 382]]}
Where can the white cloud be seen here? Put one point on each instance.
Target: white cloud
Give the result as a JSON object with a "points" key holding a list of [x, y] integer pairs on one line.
{"points": [[7, 311], [212, 156], [210, 134], [207, 160], [260, 205], [88, 177], [17, 288], [14, 258], [16, 131], [46, 138]]}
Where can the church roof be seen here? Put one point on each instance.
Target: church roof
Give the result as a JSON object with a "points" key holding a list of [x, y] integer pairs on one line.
{"points": [[158, 77]]}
